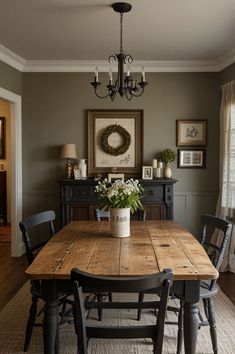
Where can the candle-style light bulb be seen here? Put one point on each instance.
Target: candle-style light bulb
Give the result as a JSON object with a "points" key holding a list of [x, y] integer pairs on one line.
{"points": [[96, 74], [142, 74], [128, 70], [110, 75]]}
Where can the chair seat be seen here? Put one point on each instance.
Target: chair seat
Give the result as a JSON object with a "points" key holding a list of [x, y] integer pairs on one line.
{"points": [[205, 290]]}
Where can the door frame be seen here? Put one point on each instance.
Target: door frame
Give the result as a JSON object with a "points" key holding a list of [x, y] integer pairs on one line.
{"points": [[17, 246]]}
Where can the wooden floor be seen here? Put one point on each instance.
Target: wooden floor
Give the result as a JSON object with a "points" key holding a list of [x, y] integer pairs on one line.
{"points": [[12, 276]]}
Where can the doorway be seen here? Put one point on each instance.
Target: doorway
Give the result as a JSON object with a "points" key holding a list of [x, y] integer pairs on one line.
{"points": [[17, 248]]}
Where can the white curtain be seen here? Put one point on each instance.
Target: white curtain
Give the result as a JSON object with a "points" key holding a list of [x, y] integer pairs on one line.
{"points": [[226, 201]]}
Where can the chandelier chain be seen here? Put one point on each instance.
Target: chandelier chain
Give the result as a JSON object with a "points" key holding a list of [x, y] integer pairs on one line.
{"points": [[121, 31]]}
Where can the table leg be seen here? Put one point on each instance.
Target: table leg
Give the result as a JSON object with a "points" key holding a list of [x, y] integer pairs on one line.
{"points": [[50, 327], [191, 321], [191, 318]]}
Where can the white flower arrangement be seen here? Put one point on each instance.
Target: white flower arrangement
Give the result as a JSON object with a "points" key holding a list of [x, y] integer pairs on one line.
{"points": [[120, 194]]}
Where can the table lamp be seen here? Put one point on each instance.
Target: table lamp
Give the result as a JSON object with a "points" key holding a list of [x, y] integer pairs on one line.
{"points": [[68, 151]]}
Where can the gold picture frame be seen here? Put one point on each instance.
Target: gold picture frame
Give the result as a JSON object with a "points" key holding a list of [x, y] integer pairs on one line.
{"points": [[99, 161]]}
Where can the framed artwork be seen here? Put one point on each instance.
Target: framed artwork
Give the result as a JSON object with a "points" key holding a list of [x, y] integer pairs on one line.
{"points": [[192, 158], [112, 177], [147, 172], [191, 132], [77, 173], [2, 138], [115, 142]]}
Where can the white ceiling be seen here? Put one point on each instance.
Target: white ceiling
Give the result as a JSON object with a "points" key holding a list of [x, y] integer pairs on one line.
{"points": [[88, 30]]}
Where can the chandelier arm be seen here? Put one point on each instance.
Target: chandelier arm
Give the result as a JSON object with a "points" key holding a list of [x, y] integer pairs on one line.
{"points": [[136, 94], [112, 57], [108, 94], [129, 97], [128, 59]]}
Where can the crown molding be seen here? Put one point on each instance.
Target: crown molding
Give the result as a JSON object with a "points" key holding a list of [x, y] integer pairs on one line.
{"points": [[103, 66], [23, 65], [226, 60], [12, 59]]}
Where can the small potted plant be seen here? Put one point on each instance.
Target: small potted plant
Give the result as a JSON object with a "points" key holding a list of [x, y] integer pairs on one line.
{"points": [[167, 156]]}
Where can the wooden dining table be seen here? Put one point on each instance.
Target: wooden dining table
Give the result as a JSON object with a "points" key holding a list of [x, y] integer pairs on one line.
{"points": [[152, 247]]}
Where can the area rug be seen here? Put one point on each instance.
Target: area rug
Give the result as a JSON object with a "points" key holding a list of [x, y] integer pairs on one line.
{"points": [[13, 318]]}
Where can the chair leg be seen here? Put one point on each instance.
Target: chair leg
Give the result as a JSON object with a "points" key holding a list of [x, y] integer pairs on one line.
{"points": [[57, 339], [212, 323], [31, 322], [180, 336], [110, 296], [100, 310], [141, 299], [205, 303]]}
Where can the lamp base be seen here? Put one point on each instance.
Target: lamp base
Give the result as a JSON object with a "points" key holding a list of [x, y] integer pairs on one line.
{"points": [[68, 169]]}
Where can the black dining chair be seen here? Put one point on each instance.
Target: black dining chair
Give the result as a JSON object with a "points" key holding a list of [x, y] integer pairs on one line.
{"points": [[101, 214], [84, 331], [215, 245], [28, 227], [142, 214]]}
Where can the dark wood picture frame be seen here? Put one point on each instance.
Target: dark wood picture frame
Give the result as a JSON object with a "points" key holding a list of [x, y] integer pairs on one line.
{"points": [[191, 158], [191, 132], [2, 138], [130, 163]]}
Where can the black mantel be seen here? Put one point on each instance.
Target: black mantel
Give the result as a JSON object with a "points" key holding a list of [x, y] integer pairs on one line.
{"points": [[78, 199]]}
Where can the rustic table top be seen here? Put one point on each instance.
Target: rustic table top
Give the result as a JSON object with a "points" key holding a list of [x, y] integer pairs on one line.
{"points": [[152, 246]]}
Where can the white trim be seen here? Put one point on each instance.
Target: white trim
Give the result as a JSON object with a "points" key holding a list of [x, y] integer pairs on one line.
{"points": [[23, 65], [103, 66], [12, 59], [17, 247]]}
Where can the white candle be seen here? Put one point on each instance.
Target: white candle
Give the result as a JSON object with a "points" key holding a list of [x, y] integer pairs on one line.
{"points": [[128, 70], [143, 74], [110, 76], [96, 74], [154, 163]]}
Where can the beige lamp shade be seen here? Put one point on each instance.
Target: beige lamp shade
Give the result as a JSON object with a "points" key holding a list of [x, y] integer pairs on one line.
{"points": [[68, 151]]}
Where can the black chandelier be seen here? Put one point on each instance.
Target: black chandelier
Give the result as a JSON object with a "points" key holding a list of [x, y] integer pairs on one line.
{"points": [[125, 84]]}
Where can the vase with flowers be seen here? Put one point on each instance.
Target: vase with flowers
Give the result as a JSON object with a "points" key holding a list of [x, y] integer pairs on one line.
{"points": [[167, 156], [121, 198]]}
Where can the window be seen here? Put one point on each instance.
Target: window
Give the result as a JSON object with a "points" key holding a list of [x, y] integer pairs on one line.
{"points": [[228, 191]]}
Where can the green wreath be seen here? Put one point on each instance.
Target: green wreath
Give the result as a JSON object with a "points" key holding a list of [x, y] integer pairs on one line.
{"points": [[120, 150]]}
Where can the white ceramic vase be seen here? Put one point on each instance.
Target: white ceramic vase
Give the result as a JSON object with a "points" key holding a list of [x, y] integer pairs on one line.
{"points": [[120, 222], [83, 168], [167, 171]]}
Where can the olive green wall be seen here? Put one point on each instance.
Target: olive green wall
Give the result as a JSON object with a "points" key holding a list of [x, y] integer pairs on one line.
{"points": [[55, 112], [227, 74], [10, 78]]}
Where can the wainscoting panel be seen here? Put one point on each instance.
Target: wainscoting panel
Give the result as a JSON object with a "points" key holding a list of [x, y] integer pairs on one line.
{"points": [[189, 206]]}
